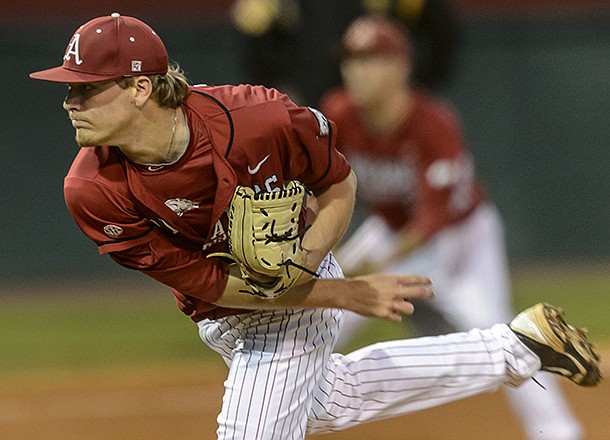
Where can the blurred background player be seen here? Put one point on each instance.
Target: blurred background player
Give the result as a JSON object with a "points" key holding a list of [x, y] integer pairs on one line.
{"points": [[282, 39], [434, 32], [425, 210]]}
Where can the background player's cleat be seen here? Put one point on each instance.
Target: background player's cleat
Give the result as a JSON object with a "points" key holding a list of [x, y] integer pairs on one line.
{"points": [[562, 348]]}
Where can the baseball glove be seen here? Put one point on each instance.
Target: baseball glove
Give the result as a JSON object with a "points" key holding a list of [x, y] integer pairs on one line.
{"points": [[264, 238]]}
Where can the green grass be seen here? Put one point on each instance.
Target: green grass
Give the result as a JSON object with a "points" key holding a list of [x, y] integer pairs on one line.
{"points": [[583, 295], [92, 331], [585, 298], [83, 333]]}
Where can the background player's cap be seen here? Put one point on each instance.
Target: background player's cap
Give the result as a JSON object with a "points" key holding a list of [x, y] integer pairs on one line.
{"points": [[375, 36], [109, 47]]}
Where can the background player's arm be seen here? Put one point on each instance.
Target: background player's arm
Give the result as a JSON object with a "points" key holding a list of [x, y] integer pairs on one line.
{"points": [[408, 240]]}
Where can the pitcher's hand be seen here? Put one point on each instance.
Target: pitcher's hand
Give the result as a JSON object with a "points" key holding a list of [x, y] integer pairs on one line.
{"points": [[387, 296]]}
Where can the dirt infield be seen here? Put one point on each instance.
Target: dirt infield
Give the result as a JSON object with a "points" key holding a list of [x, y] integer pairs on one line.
{"points": [[160, 403]]}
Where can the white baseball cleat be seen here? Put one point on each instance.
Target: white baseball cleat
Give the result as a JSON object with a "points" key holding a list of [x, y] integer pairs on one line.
{"points": [[562, 348]]}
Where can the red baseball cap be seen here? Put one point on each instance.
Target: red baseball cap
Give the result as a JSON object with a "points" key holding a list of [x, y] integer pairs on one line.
{"points": [[375, 36], [109, 47]]}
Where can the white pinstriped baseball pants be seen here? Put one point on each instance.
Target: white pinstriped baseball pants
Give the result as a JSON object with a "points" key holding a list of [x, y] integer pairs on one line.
{"points": [[284, 381], [467, 263]]}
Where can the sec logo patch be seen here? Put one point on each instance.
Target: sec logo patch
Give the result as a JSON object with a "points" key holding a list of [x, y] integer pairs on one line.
{"points": [[113, 230]]}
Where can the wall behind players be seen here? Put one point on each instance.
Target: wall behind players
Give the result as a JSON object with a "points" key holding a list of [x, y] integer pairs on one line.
{"points": [[532, 93]]}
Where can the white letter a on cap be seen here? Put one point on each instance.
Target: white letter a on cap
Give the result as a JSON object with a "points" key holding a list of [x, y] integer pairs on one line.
{"points": [[73, 50]]}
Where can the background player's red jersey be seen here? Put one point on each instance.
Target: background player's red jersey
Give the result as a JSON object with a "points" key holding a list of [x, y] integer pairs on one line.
{"points": [[419, 175]]}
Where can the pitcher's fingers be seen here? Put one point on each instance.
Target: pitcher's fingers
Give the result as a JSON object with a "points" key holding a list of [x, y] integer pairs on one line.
{"points": [[413, 279], [396, 315], [404, 307], [417, 291]]}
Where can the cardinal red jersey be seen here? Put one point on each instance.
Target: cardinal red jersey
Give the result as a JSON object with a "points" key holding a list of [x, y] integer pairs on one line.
{"points": [[164, 219], [420, 175]]}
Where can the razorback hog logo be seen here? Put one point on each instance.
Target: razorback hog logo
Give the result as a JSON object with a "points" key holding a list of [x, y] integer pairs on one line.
{"points": [[180, 206]]}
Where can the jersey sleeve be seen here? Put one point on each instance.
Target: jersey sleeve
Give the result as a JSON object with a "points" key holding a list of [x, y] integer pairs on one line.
{"points": [[192, 277], [314, 158], [111, 220], [105, 215]]}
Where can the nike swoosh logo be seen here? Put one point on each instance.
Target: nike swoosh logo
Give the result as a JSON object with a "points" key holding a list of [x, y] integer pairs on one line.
{"points": [[257, 167]]}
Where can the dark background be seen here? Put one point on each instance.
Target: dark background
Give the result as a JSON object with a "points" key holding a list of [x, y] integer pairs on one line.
{"points": [[531, 82]]}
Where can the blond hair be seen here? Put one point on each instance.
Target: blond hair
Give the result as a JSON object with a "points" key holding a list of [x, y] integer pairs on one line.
{"points": [[169, 89]]}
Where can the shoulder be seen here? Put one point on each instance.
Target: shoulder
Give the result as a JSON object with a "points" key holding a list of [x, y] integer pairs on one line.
{"points": [[96, 172], [336, 103], [245, 106], [97, 195], [235, 97], [435, 109], [96, 163]]}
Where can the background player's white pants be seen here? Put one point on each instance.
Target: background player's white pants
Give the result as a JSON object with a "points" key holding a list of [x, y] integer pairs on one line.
{"points": [[283, 380], [468, 267]]}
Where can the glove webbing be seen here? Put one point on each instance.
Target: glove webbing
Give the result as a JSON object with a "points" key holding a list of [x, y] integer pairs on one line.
{"points": [[272, 236]]}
